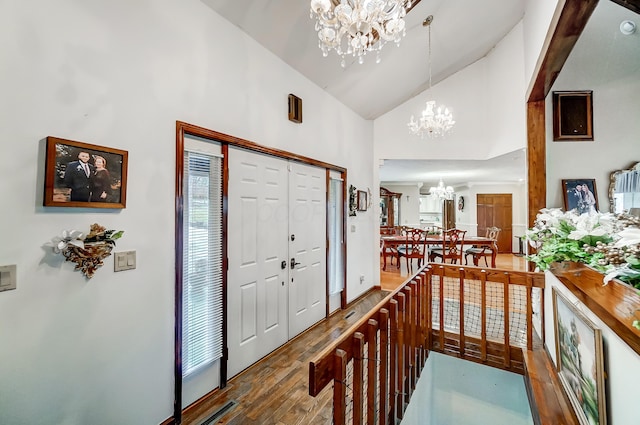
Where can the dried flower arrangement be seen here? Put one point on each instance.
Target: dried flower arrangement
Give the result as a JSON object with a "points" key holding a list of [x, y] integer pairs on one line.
{"points": [[86, 251]]}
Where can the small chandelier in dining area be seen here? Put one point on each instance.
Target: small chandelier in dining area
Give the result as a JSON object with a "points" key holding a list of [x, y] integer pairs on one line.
{"points": [[355, 27], [434, 121], [441, 191]]}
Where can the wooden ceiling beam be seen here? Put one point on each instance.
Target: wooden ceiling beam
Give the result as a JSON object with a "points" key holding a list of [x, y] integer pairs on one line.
{"points": [[633, 5]]}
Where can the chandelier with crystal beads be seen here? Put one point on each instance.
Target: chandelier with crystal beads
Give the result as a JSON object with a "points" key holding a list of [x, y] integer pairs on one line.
{"points": [[441, 191], [434, 121], [355, 27]]}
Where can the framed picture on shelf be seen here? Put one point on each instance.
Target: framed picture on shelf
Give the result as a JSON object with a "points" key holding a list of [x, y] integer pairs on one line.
{"points": [[580, 195], [362, 200], [579, 359], [82, 175]]}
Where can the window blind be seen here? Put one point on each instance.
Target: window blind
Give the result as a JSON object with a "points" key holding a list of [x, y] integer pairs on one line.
{"points": [[336, 277], [202, 261]]}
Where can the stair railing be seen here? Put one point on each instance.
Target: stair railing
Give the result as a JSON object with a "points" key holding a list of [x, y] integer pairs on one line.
{"points": [[376, 364]]}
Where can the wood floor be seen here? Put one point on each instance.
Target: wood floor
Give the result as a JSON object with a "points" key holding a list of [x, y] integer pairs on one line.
{"points": [[392, 277], [274, 391]]}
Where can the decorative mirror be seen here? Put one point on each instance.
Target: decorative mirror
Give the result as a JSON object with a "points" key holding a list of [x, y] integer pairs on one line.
{"points": [[624, 190]]}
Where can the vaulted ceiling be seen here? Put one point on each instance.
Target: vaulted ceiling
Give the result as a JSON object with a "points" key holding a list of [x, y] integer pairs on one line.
{"points": [[463, 31]]}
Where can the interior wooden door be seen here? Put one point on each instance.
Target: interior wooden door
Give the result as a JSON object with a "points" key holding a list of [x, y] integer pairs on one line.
{"points": [[495, 210]]}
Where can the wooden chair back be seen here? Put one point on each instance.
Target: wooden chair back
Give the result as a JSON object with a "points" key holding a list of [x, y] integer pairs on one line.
{"points": [[452, 242], [493, 232], [477, 251], [414, 247]]}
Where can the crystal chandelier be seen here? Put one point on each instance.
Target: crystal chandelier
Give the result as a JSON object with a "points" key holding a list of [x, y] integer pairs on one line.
{"points": [[434, 122], [355, 27], [441, 191]]}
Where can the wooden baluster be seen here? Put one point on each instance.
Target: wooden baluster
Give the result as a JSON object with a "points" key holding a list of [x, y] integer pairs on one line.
{"points": [[429, 308], [507, 346], [383, 371], [415, 325], [441, 274], [483, 316], [419, 323], [340, 387], [358, 377], [424, 302], [372, 366], [401, 358], [461, 305], [393, 360], [408, 348], [529, 313]]}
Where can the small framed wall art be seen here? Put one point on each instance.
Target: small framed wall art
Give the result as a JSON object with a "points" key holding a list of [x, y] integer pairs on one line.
{"points": [[362, 200], [83, 175], [572, 115]]}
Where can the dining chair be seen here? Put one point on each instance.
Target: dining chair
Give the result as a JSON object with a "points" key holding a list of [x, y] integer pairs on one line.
{"points": [[477, 251], [414, 247], [387, 251], [452, 241]]}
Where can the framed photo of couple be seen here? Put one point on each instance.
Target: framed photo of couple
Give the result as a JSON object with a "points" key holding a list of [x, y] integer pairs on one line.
{"points": [[580, 195], [83, 175]]}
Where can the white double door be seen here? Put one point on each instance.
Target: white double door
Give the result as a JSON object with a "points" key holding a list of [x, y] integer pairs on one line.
{"points": [[276, 281]]}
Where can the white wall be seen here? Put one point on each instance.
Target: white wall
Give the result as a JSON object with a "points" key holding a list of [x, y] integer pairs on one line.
{"points": [[621, 363], [487, 100], [616, 88], [119, 74]]}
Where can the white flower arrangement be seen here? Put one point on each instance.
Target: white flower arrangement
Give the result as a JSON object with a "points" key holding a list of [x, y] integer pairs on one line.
{"points": [[608, 242]]}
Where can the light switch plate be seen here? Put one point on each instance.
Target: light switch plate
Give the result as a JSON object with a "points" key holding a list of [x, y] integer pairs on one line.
{"points": [[125, 260], [8, 277]]}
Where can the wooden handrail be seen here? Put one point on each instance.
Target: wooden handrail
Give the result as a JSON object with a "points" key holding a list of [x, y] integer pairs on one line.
{"points": [[392, 341]]}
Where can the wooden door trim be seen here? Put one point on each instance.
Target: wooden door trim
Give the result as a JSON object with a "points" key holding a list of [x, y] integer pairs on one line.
{"points": [[182, 129]]}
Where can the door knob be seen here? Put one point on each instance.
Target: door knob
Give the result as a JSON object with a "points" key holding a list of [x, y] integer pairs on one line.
{"points": [[293, 263], [283, 265]]}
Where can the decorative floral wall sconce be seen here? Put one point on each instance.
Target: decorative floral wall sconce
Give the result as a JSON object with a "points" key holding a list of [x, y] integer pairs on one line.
{"points": [[353, 202], [86, 251]]}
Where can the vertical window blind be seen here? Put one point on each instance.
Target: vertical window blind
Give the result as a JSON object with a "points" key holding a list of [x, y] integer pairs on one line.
{"points": [[336, 277], [202, 261]]}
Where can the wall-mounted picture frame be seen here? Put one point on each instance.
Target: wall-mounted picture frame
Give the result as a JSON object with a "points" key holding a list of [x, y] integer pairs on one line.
{"points": [[579, 360], [580, 195], [573, 116], [362, 200], [83, 175]]}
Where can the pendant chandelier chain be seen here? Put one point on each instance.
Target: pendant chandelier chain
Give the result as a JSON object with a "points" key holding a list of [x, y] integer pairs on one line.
{"points": [[435, 121]]}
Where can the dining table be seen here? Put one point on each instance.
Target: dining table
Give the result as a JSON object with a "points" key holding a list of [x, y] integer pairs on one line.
{"points": [[394, 241]]}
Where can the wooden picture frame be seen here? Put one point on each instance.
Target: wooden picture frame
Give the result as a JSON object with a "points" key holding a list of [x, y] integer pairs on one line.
{"points": [[96, 184], [362, 200], [579, 360], [573, 115], [580, 195]]}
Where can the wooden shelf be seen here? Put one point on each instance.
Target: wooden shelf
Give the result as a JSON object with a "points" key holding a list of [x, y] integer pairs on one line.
{"points": [[615, 303]]}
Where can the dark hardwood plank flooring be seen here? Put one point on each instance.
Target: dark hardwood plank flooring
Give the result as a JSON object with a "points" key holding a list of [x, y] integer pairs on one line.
{"points": [[276, 389]]}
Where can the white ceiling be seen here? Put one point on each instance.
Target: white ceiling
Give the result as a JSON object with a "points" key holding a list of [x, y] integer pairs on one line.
{"points": [[462, 32], [505, 168]]}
